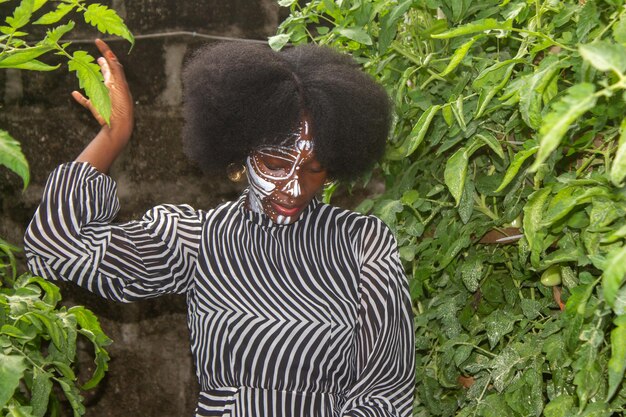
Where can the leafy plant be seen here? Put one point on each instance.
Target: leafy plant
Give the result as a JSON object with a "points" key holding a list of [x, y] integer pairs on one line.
{"points": [[505, 188], [38, 340], [17, 51]]}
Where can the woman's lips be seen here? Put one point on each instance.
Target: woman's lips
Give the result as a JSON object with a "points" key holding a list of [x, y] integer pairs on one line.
{"points": [[285, 211]]}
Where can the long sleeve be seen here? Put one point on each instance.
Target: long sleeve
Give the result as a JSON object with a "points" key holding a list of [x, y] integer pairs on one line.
{"points": [[385, 352], [71, 238]]}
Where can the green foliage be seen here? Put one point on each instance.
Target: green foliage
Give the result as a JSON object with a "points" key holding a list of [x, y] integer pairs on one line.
{"points": [[506, 164], [38, 340], [12, 157], [21, 52]]}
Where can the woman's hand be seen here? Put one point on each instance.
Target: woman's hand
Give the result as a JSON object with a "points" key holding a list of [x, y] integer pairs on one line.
{"points": [[112, 138], [121, 122]]}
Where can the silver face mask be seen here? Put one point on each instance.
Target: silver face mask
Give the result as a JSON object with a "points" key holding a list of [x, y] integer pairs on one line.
{"points": [[264, 179]]}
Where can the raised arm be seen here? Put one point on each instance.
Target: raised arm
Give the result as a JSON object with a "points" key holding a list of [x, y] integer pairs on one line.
{"points": [[111, 140]]}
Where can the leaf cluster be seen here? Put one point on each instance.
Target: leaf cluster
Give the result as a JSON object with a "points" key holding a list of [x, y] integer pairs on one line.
{"points": [[19, 51], [506, 165], [38, 340]]}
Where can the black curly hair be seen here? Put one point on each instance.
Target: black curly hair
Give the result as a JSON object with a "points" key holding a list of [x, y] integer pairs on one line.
{"points": [[238, 96]]}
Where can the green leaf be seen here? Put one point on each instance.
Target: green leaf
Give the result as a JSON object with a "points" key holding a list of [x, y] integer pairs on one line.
{"points": [[532, 222], [42, 387], [277, 42], [474, 27], [589, 374], [516, 164], [35, 65], [12, 157], [498, 324], [356, 34], [102, 365], [286, 3], [617, 363], [458, 56], [618, 166], [570, 107], [503, 367], [107, 21], [55, 15], [387, 210], [614, 274], [91, 80], [471, 273], [457, 111], [418, 133], [52, 293], [73, 396], [531, 94], [22, 56], [491, 141], [605, 56], [21, 14], [11, 372], [54, 36], [619, 30], [38, 4], [89, 322], [53, 327], [567, 199], [389, 25], [456, 172], [561, 406]]}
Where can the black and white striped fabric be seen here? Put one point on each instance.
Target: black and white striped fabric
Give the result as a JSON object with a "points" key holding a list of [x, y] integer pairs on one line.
{"points": [[307, 319]]}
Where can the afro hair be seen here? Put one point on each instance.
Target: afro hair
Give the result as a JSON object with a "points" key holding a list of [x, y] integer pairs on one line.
{"points": [[239, 96]]}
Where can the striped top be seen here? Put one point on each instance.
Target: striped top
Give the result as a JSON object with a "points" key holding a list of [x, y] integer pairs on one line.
{"points": [[307, 319]]}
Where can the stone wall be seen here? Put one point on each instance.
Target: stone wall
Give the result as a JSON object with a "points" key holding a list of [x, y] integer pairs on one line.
{"points": [[151, 372]]}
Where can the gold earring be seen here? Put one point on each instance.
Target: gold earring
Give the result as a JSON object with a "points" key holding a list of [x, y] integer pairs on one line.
{"points": [[235, 172]]}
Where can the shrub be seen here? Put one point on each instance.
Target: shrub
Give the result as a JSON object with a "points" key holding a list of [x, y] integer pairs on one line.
{"points": [[505, 188]]}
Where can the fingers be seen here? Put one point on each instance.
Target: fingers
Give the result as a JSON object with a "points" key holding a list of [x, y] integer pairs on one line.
{"points": [[115, 67], [86, 103], [105, 69]]}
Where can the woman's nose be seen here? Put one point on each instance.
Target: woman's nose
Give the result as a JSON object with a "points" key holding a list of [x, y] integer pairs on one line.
{"points": [[292, 187]]}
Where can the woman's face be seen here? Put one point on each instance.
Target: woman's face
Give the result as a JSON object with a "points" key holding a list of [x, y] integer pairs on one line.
{"points": [[284, 179]]}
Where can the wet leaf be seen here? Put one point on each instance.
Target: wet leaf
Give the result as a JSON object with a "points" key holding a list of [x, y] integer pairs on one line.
{"points": [[498, 324], [561, 406], [11, 372], [471, 273], [533, 216]]}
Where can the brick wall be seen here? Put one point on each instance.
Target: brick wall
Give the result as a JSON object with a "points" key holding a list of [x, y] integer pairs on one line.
{"points": [[151, 373]]}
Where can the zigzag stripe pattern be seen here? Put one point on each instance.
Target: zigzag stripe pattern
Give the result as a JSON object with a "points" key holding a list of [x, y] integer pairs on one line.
{"points": [[307, 319]]}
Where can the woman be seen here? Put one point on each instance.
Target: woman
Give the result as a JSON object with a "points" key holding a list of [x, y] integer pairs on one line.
{"points": [[295, 308]]}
